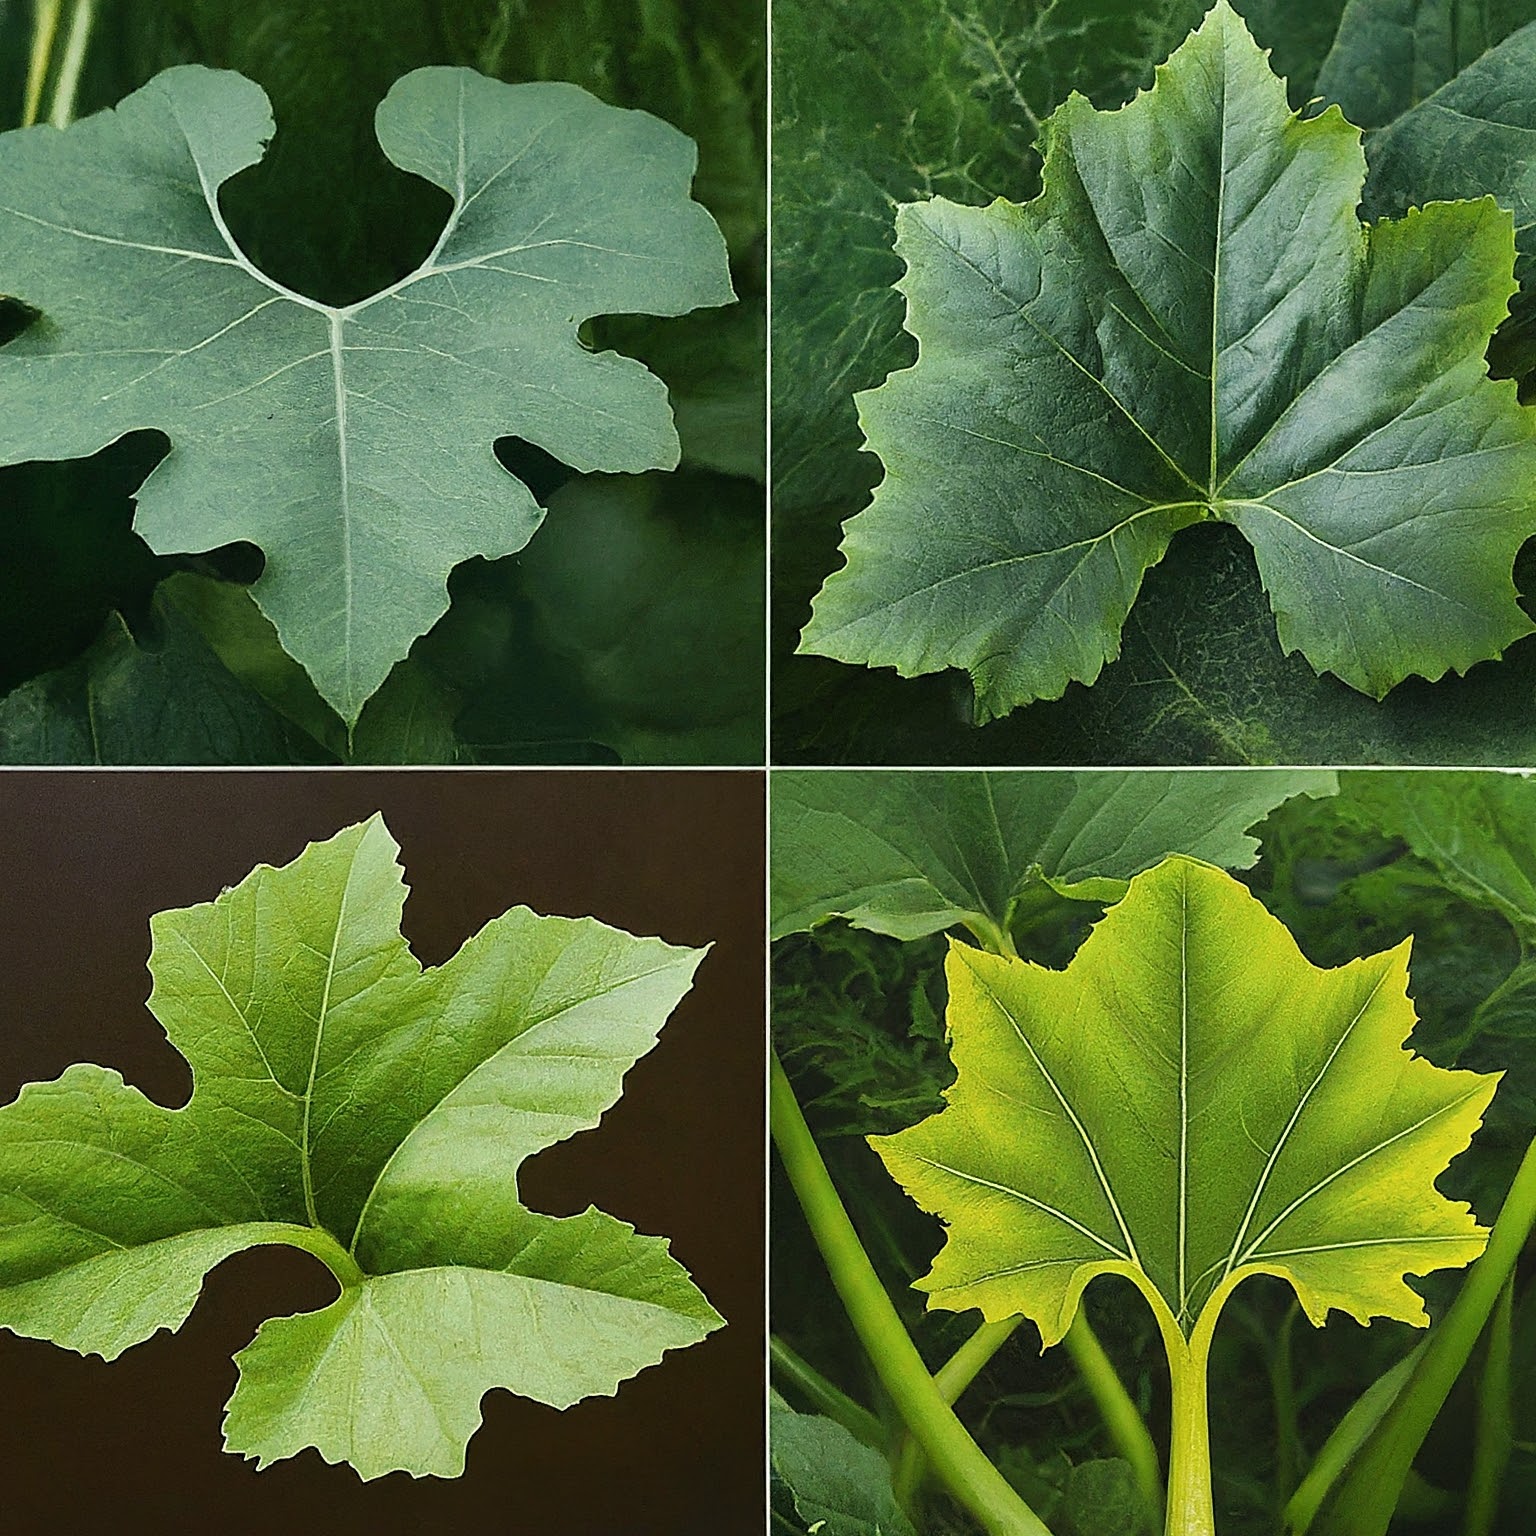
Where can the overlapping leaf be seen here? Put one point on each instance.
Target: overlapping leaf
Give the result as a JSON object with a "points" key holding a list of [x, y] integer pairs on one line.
{"points": [[910, 854], [1190, 1102], [348, 1102], [1190, 323], [352, 444]]}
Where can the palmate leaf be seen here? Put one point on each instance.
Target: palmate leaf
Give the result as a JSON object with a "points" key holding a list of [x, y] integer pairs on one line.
{"points": [[1190, 323], [352, 444], [1189, 1103], [910, 854], [348, 1102]]}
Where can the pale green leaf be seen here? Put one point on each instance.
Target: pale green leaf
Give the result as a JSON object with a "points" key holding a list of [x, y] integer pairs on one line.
{"points": [[1190, 323], [1189, 1103], [352, 444], [350, 1103], [910, 854]]}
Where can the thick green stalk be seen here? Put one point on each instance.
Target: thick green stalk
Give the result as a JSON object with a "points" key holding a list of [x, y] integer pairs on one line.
{"points": [[1127, 1429], [67, 86], [45, 25], [952, 1378], [1361, 1502], [827, 1399], [1495, 1421], [957, 1460]]}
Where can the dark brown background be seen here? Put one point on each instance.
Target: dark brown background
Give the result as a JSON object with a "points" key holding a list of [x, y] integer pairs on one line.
{"points": [[86, 858]]}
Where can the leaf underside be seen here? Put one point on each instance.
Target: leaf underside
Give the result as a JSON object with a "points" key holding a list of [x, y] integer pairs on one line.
{"points": [[914, 853], [1188, 1103], [352, 444], [1190, 323], [347, 1101]]}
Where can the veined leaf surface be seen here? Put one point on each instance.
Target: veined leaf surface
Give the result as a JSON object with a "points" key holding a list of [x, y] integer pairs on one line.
{"points": [[909, 854], [1478, 830], [352, 444], [1189, 1103], [1190, 323], [350, 1103]]}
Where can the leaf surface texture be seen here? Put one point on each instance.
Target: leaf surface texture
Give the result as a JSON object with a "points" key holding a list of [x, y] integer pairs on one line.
{"points": [[1190, 323], [352, 444], [349, 1102], [1188, 1103]]}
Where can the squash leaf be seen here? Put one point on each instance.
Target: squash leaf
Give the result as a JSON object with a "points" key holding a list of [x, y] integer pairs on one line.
{"points": [[352, 444], [1189, 1103], [1188, 324], [350, 1103], [909, 854]]}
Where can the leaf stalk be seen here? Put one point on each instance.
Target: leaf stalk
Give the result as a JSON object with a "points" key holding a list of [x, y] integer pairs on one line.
{"points": [[958, 1462]]}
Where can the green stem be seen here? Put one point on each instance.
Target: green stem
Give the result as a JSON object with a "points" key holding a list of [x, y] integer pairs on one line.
{"points": [[1127, 1429], [1363, 1499], [1282, 1382], [318, 1241], [67, 86], [1495, 1421], [45, 25], [952, 1378], [824, 1396], [957, 1460]]}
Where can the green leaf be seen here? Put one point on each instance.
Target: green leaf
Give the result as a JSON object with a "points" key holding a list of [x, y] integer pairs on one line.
{"points": [[881, 101], [913, 853], [1081, 396], [155, 698], [838, 1487], [1478, 830], [351, 444], [1189, 1103], [1389, 56], [350, 1103], [1472, 136]]}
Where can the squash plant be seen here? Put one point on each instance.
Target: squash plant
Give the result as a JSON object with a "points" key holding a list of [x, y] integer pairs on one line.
{"points": [[438, 314], [1188, 1103], [375, 1114], [1163, 348]]}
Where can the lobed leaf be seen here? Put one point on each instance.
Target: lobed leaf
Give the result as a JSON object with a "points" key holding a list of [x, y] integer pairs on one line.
{"points": [[1189, 324], [1189, 1103], [352, 444], [349, 1102]]}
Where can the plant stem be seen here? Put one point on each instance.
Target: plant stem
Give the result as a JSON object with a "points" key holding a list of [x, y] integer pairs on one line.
{"points": [[1495, 1421], [957, 1460], [827, 1398], [45, 24], [1127, 1429], [952, 1378], [1361, 1502], [67, 86], [1191, 1508]]}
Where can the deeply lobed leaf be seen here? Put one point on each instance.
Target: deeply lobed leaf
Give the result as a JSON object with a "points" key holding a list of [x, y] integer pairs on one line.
{"points": [[1190, 323], [349, 1102], [352, 444], [1189, 1103]]}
